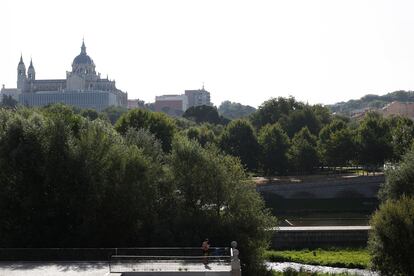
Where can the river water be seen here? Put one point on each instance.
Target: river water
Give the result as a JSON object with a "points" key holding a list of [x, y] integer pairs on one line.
{"points": [[280, 267]]}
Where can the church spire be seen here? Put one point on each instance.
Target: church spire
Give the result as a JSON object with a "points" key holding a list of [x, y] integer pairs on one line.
{"points": [[83, 48], [31, 63], [21, 59]]}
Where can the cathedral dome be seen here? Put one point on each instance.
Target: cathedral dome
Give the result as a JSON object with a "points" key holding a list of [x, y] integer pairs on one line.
{"points": [[83, 58]]}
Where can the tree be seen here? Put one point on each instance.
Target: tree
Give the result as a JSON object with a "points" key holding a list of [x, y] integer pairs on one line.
{"points": [[216, 200], [271, 111], [204, 114], [233, 110], [274, 144], [373, 140], [68, 185], [202, 134], [90, 114], [113, 113], [402, 133], [300, 118], [303, 154], [336, 144], [391, 240], [239, 139], [157, 123], [399, 179]]}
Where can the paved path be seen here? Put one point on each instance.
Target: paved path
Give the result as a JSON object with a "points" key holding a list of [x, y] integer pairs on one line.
{"points": [[102, 268], [168, 266], [55, 269]]}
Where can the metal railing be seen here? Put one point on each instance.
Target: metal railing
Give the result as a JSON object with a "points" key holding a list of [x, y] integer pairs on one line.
{"points": [[172, 259]]}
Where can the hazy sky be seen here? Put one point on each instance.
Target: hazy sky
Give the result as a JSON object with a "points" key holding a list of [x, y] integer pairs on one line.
{"points": [[244, 51]]}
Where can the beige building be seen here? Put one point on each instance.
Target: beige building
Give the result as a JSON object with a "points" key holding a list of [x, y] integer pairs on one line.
{"points": [[399, 108], [174, 105]]}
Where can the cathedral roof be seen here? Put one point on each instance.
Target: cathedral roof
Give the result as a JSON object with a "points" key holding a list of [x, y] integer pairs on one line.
{"points": [[83, 58]]}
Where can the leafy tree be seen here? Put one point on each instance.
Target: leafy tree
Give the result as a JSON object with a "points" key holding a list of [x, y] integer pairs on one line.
{"points": [[239, 140], [157, 123], [203, 134], [336, 144], [303, 152], [374, 140], [113, 113], [217, 200], [402, 133], [271, 111], [233, 110], [391, 240], [300, 118], [204, 114], [147, 142], [274, 144], [91, 114], [399, 179]]}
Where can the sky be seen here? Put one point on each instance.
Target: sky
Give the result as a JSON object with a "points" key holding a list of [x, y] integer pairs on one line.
{"points": [[322, 51]]}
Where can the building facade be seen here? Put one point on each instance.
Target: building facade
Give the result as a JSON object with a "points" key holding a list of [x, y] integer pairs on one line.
{"points": [[83, 87], [174, 105], [399, 109], [198, 97]]}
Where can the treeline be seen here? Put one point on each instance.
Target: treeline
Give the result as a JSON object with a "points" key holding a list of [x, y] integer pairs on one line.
{"points": [[69, 180], [371, 101], [285, 136]]}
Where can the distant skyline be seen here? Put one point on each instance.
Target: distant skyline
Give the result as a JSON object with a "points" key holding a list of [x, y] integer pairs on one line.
{"points": [[244, 51]]}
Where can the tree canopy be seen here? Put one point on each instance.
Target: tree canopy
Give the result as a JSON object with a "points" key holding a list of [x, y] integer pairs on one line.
{"points": [[239, 139], [157, 123]]}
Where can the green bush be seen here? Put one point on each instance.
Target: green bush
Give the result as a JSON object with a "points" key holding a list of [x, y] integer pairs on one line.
{"points": [[391, 241]]}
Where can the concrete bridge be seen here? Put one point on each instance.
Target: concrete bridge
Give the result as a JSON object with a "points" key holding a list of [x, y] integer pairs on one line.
{"points": [[345, 186], [221, 261]]}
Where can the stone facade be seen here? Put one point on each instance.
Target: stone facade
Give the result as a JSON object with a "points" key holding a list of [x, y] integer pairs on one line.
{"points": [[399, 108], [174, 105], [198, 97], [83, 87]]}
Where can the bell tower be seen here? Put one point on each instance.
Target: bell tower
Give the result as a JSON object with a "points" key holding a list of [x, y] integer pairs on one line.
{"points": [[21, 74], [31, 73]]}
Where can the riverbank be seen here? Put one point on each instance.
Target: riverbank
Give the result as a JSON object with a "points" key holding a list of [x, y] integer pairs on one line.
{"points": [[343, 258], [296, 269]]}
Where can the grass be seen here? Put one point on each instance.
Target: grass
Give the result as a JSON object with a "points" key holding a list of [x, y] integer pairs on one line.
{"points": [[347, 258], [306, 273]]}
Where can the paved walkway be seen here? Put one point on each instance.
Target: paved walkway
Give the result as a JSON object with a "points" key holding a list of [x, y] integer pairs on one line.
{"points": [[168, 266], [102, 268], [55, 269]]}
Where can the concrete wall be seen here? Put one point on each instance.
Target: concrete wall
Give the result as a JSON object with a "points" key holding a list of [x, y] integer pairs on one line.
{"points": [[299, 239], [339, 187]]}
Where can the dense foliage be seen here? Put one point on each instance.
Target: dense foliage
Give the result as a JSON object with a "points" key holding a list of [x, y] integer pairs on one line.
{"points": [[233, 111], [204, 114], [335, 257], [239, 139], [392, 237], [391, 240], [371, 101], [69, 181]]}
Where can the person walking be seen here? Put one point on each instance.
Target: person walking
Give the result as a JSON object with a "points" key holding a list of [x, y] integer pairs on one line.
{"points": [[205, 246]]}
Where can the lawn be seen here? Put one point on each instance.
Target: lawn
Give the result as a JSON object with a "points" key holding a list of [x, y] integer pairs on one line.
{"points": [[348, 258], [305, 273]]}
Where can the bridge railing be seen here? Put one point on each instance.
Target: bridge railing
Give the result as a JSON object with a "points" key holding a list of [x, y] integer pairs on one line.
{"points": [[171, 259]]}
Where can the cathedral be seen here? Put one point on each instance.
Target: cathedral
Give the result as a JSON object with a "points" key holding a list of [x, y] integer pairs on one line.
{"points": [[83, 87]]}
